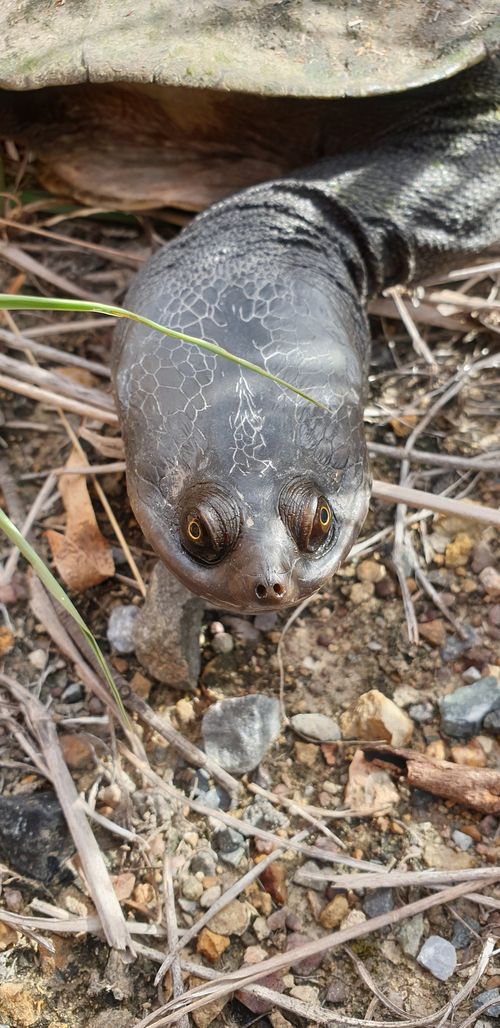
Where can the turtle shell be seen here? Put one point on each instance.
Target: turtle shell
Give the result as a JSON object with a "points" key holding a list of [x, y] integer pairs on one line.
{"points": [[179, 103], [313, 48]]}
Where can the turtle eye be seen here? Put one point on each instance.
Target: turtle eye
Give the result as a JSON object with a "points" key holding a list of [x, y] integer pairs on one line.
{"points": [[209, 524], [307, 515], [199, 540]]}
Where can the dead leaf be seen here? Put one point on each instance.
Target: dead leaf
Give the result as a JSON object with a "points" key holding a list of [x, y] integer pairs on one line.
{"points": [[82, 555], [369, 791], [81, 376]]}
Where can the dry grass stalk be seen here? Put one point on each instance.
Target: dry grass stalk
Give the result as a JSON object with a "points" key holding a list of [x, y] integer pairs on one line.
{"points": [[403, 879], [244, 827], [52, 399], [173, 936], [118, 256], [227, 983], [488, 461], [402, 494], [418, 343], [94, 869], [21, 341], [37, 506], [21, 260], [55, 382]]}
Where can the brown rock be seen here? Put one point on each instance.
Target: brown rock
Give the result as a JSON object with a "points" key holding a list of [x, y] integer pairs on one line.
{"points": [[333, 914], [490, 581], [306, 753], [369, 791], [470, 754], [211, 945], [77, 751], [6, 640], [375, 717], [370, 571], [231, 920], [274, 882], [306, 965], [361, 592], [458, 552], [255, 1003], [140, 685], [436, 750], [17, 1006], [440, 857], [433, 631]]}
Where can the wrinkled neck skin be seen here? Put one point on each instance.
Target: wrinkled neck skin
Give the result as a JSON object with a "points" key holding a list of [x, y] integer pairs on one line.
{"points": [[280, 289]]}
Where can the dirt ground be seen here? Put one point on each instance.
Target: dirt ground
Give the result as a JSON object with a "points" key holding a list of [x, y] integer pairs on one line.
{"points": [[351, 639]]}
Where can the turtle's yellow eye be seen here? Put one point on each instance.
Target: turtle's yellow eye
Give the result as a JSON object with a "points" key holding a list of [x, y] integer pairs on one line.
{"points": [[194, 530], [325, 517]]}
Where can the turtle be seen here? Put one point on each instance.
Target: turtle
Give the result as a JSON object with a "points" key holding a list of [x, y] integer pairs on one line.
{"points": [[331, 150]]}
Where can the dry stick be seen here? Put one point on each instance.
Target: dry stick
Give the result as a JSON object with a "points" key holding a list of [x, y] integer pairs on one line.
{"points": [[419, 344], [400, 494], [95, 871], [489, 461], [51, 399], [399, 529], [105, 251], [227, 983], [50, 353], [222, 902], [85, 325], [63, 923], [402, 879], [55, 382], [113, 467], [12, 560], [474, 269], [295, 808], [453, 298], [13, 255], [424, 313], [173, 935], [13, 922], [371, 984], [244, 827]]}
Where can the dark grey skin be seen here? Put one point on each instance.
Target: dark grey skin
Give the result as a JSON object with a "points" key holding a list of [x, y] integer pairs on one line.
{"points": [[229, 475]]}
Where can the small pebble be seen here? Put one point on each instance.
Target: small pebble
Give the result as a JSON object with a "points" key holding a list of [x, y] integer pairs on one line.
{"points": [[120, 630], [410, 935], [238, 732], [73, 693], [433, 631], [337, 993], [463, 934], [421, 713], [307, 965], [463, 841], [370, 571], [487, 997], [226, 840], [492, 722], [233, 919], [262, 814], [305, 993], [222, 643], [211, 945], [192, 888], [378, 901], [309, 876], [333, 914], [266, 622], [210, 896], [455, 646], [203, 861], [463, 711], [361, 592], [38, 659], [316, 726], [306, 753], [470, 675], [490, 581], [439, 957]]}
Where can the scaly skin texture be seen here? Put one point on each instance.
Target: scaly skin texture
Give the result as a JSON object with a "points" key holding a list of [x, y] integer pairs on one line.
{"points": [[280, 274]]}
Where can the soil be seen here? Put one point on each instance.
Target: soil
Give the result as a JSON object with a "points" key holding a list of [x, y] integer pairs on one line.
{"points": [[347, 642]]}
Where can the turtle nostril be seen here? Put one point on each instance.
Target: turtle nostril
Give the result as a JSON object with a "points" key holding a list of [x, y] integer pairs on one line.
{"points": [[260, 591], [278, 589]]}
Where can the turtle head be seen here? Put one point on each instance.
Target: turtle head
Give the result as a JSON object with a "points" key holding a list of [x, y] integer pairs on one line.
{"points": [[249, 493]]}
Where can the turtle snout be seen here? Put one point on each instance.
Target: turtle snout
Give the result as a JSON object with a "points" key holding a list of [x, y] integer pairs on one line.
{"points": [[273, 589]]}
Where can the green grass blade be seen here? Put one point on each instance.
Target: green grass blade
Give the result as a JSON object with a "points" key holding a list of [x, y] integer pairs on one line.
{"points": [[19, 303], [56, 590]]}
